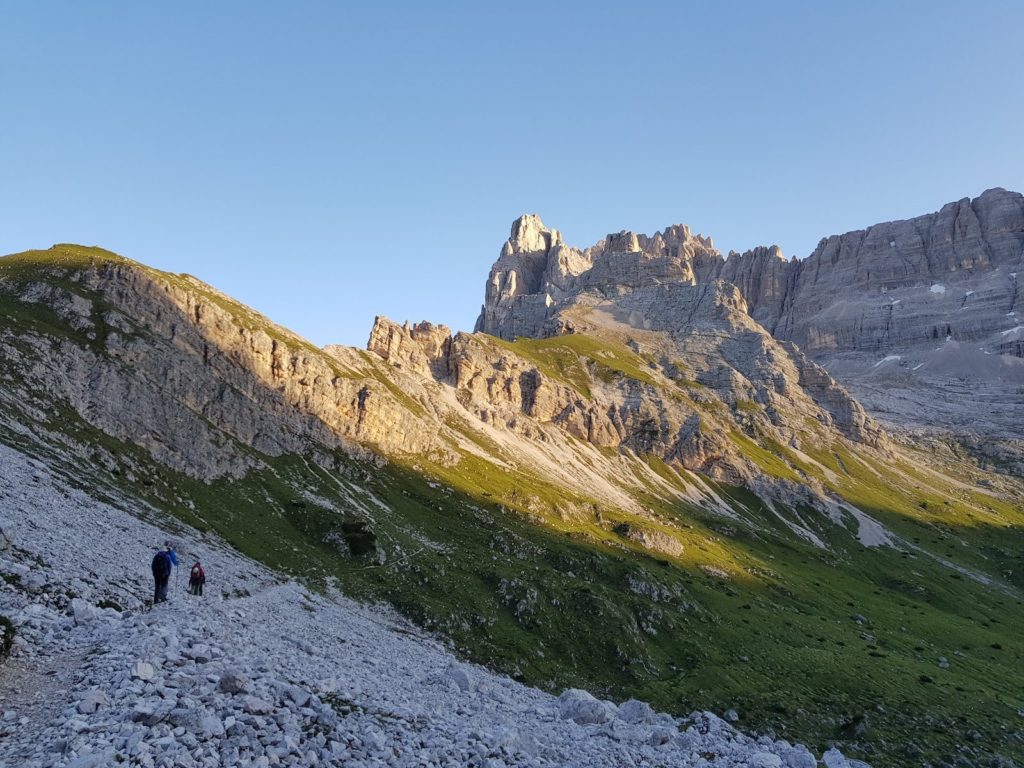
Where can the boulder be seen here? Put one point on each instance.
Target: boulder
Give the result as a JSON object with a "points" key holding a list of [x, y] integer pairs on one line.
{"points": [[92, 700], [580, 707], [233, 682], [142, 670], [211, 725], [798, 757], [257, 706], [661, 736], [462, 677], [835, 759], [634, 712], [83, 611], [296, 695], [764, 760]]}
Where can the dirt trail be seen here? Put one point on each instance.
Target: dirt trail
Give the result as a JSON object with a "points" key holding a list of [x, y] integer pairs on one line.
{"points": [[35, 689]]}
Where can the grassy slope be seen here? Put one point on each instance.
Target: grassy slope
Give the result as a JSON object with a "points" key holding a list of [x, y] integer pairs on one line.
{"points": [[565, 603]]}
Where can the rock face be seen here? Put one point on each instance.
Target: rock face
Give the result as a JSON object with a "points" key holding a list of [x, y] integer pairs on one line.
{"points": [[171, 364], [895, 283], [891, 292], [666, 289], [671, 366], [536, 271], [422, 348], [951, 273]]}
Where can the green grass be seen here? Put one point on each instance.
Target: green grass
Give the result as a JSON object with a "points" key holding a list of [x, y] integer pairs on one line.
{"points": [[533, 580], [561, 607], [578, 360], [767, 457]]}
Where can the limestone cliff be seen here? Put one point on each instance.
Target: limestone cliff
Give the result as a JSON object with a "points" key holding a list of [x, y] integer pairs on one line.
{"points": [[208, 387], [893, 283], [892, 292]]}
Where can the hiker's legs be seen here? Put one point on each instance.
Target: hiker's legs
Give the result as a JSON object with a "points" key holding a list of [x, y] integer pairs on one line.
{"points": [[156, 590], [161, 590], [200, 588]]}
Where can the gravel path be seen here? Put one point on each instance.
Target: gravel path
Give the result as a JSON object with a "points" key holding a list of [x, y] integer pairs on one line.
{"points": [[274, 676]]}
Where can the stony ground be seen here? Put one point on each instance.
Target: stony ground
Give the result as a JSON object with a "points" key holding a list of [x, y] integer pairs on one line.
{"points": [[261, 672]]}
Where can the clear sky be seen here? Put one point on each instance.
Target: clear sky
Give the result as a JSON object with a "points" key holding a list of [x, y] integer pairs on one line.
{"points": [[325, 162]]}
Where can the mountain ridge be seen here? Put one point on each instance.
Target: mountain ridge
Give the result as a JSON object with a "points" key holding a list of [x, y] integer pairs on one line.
{"points": [[985, 231], [635, 502]]}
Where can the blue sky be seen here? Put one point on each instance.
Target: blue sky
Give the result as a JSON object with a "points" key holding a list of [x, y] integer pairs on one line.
{"points": [[327, 162]]}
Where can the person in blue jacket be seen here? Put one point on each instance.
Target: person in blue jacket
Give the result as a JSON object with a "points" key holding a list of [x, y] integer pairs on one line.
{"points": [[163, 562]]}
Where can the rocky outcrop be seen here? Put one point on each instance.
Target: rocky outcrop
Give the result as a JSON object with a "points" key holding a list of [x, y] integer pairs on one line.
{"points": [[952, 273], [896, 291], [423, 348], [693, 370], [905, 283], [537, 271], [195, 379]]}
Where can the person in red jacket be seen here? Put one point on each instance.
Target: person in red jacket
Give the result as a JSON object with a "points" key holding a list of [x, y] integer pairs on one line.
{"points": [[196, 579]]}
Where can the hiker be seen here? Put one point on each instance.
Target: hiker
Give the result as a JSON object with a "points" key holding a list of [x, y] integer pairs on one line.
{"points": [[196, 579], [161, 574]]}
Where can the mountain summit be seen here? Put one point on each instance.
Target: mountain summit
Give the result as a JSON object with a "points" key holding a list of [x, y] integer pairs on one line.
{"points": [[644, 473]]}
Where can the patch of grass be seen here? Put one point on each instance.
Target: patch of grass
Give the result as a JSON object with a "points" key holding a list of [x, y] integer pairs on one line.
{"points": [[578, 360], [771, 462]]}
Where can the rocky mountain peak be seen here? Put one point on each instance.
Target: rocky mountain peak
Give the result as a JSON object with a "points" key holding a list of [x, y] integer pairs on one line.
{"points": [[622, 242], [529, 235], [966, 256]]}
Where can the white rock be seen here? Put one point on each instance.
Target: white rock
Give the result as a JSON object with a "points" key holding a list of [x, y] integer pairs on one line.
{"points": [[211, 725], [142, 670], [581, 707], [257, 706], [764, 760], [462, 678], [634, 711], [834, 759], [798, 757], [82, 611], [93, 700], [89, 761]]}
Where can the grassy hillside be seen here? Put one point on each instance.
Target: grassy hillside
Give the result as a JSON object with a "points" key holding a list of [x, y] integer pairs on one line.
{"points": [[812, 643], [802, 642]]}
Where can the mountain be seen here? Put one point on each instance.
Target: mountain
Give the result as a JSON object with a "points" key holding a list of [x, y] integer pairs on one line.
{"points": [[623, 480], [918, 318], [857, 291]]}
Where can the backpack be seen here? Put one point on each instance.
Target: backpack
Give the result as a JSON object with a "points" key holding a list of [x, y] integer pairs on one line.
{"points": [[161, 565], [197, 576]]}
